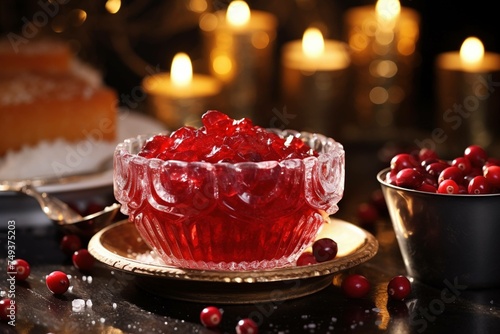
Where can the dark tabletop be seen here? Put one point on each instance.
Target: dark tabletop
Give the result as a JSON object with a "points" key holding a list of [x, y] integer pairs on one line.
{"points": [[119, 305]]}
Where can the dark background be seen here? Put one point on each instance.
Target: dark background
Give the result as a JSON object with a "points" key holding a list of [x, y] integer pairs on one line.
{"points": [[150, 32]]}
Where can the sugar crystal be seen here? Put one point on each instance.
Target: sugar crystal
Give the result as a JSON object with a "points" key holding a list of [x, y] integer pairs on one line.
{"points": [[77, 305]]}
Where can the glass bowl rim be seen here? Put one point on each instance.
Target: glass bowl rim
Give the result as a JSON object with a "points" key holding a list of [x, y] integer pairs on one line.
{"points": [[336, 150]]}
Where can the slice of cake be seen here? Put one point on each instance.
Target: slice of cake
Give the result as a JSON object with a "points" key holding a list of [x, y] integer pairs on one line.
{"points": [[48, 94], [35, 55], [36, 107]]}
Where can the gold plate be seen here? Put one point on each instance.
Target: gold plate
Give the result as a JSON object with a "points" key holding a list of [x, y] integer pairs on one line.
{"points": [[121, 247]]}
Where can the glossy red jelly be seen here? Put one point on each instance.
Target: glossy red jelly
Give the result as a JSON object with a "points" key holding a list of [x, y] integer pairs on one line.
{"points": [[229, 195], [222, 139]]}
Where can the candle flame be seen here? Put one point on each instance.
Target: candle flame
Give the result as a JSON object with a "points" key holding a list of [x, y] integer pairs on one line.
{"points": [[388, 10], [113, 6], [238, 13], [181, 71], [472, 51], [313, 44]]}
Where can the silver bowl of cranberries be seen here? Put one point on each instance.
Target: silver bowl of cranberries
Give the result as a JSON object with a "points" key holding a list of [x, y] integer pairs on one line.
{"points": [[446, 216]]}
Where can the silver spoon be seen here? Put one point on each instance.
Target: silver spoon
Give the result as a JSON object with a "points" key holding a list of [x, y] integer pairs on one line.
{"points": [[62, 214]]}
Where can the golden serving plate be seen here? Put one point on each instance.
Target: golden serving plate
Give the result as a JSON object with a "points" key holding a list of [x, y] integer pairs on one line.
{"points": [[120, 247]]}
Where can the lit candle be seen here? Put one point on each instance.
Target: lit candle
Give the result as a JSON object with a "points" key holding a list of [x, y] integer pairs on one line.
{"points": [[180, 97], [383, 39], [313, 53], [238, 14], [471, 58], [387, 13], [239, 47], [314, 81], [467, 98]]}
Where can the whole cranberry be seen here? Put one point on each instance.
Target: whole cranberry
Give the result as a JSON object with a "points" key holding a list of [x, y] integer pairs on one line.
{"points": [[427, 154], [21, 269], [57, 282], [324, 249], [306, 258], [448, 187], [355, 286], [247, 326], [451, 173], [463, 164], [210, 316], [492, 174], [476, 155], [409, 178], [479, 185], [83, 260], [402, 161], [7, 309], [399, 287], [436, 168]]}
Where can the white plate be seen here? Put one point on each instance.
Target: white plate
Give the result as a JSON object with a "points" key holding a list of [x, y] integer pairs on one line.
{"points": [[91, 187], [130, 124]]}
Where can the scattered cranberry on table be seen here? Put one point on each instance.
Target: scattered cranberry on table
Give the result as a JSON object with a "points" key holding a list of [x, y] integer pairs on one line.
{"points": [[7, 309], [324, 249], [210, 316], [247, 326], [57, 282], [399, 287], [472, 173], [355, 286], [83, 260], [20, 268]]}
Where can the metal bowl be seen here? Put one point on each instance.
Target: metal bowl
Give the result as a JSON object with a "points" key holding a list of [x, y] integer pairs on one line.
{"points": [[446, 239]]}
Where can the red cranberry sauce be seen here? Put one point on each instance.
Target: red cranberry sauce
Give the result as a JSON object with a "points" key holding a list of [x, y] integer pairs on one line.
{"points": [[222, 139], [272, 199]]}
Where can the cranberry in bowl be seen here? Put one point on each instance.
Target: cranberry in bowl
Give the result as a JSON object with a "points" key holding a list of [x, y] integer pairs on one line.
{"points": [[446, 217], [229, 195]]}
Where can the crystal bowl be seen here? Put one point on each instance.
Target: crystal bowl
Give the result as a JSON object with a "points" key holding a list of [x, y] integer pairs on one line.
{"points": [[446, 239], [230, 216]]}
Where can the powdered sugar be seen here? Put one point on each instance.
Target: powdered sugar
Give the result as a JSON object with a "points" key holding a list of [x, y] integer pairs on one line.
{"points": [[62, 158], [58, 158]]}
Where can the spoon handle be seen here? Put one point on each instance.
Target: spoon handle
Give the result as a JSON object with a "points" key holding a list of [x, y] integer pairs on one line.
{"points": [[54, 208]]}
